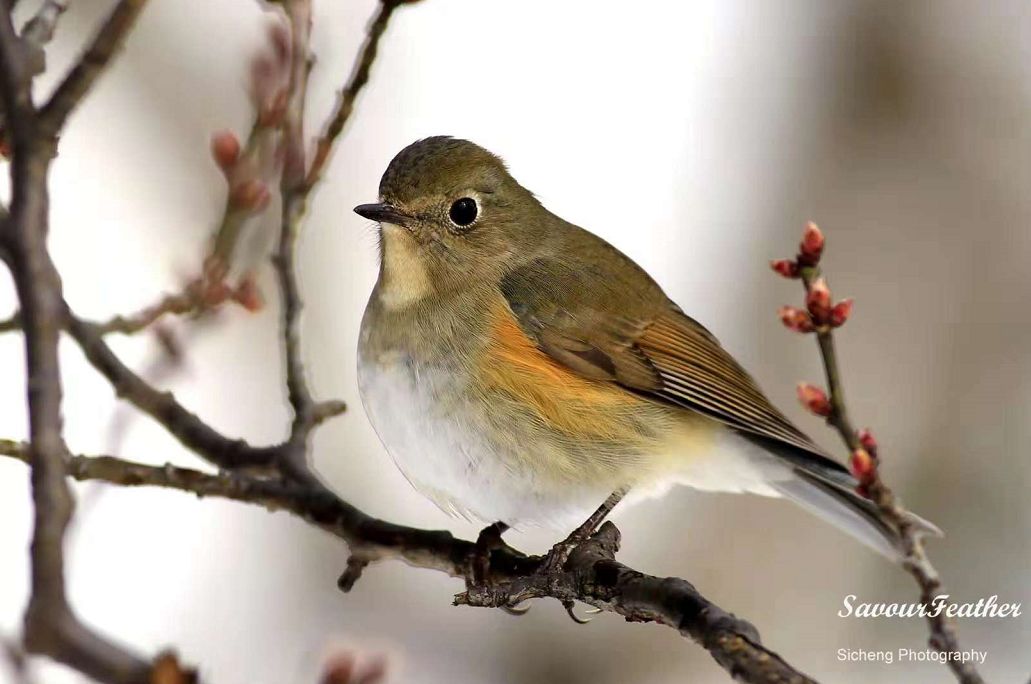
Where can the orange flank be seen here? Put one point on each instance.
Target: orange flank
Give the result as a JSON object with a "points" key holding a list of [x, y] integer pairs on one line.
{"points": [[580, 407]]}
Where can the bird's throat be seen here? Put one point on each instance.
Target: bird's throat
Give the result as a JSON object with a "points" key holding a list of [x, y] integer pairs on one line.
{"points": [[404, 279]]}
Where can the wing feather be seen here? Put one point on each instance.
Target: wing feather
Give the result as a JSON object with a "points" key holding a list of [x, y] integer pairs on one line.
{"points": [[661, 353]]}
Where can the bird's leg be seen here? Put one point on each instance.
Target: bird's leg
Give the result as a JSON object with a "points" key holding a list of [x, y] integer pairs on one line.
{"points": [[559, 554], [488, 540]]}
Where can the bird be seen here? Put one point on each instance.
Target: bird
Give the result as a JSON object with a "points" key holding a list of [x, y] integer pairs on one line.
{"points": [[522, 371]]}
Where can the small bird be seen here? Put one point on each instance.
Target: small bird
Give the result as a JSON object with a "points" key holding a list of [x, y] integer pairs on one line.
{"points": [[521, 370]]}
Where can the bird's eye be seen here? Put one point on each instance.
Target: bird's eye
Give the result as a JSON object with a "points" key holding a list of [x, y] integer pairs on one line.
{"points": [[463, 212]]}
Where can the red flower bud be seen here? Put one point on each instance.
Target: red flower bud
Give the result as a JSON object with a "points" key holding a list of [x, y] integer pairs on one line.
{"points": [[225, 148], [840, 313], [868, 442], [795, 319], [812, 245], [252, 194], [249, 296], [814, 399], [862, 466], [785, 267], [818, 300]]}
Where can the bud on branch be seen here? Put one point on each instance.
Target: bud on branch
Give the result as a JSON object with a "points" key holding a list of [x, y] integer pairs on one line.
{"points": [[863, 466], [818, 301], [811, 248], [785, 267], [867, 440], [795, 319], [814, 399], [840, 313], [225, 148]]}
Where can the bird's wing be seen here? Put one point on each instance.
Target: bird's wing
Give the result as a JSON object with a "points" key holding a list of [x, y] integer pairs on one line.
{"points": [[567, 310]]}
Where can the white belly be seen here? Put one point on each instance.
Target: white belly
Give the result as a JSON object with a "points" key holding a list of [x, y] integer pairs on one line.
{"points": [[441, 440]]}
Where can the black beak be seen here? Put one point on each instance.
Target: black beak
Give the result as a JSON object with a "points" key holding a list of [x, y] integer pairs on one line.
{"points": [[384, 213]]}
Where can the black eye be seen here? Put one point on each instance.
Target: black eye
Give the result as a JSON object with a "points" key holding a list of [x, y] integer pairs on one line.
{"points": [[463, 211]]}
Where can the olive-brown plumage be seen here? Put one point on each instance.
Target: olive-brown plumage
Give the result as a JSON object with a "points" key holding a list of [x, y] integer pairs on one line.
{"points": [[520, 369]]}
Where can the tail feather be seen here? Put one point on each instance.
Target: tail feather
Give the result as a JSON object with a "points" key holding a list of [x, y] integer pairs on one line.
{"points": [[825, 488], [849, 512]]}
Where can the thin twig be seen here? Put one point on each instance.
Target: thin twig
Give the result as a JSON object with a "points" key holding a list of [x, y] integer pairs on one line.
{"points": [[10, 324], [592, 575], [349, 94], [39, 30], [94, 60], [163, 407], [50, 626], [942, 628], [294, 205]]}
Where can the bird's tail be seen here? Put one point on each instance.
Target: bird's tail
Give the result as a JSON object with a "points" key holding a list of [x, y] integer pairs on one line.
{"points": [[827, 496], [825, 488]]}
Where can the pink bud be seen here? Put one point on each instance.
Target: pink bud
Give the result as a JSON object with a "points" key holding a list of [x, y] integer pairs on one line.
{"points": [[249, 296], [225, 148], [818, 300], [812, 245], [814, 399], [862, 466], [867, 440], [795, 319], [252, 195], [840, 313], [785, 267]]}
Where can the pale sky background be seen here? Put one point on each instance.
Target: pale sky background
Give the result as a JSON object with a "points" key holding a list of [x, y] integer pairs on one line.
{"points": [[698, 137]]}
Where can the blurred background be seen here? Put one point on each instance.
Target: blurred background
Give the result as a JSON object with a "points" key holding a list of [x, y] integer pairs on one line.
{"points": [[697, 137]]}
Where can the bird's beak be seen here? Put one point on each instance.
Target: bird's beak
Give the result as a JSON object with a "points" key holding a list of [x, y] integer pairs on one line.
{"points": [[384, 213]]}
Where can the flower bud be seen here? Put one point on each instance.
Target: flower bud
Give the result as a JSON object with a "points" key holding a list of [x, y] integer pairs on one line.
{"points": [[840, 313], [867, 440], [862, 466], [818, 300], [811, 248], [248, 295], [252, 195], [785, 267], [814, 399], [225, 148], [795, 319]]}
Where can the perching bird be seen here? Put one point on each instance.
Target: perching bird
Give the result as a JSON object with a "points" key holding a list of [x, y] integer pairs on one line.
{"points": [[520, 369]]}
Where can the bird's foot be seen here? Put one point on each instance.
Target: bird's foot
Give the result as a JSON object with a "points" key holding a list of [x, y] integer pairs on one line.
{"points": [[555, 561], [488, 540]]}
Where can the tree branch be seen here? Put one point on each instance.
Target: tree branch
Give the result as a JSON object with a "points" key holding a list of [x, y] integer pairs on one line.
{"points": [[87, 70], [50, 625], [349, 94], [592, 575], [822, 318]]}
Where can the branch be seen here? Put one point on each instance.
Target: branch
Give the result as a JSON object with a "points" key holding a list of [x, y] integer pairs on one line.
{"points": [[89, 67], [39, 30], [349, 94], [592, 574], [821, 318], [50, 626], [184, 425]]}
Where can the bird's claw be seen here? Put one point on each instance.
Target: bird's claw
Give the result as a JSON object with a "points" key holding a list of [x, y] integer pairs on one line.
{"points": [[569, 605], [516, 609]]}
